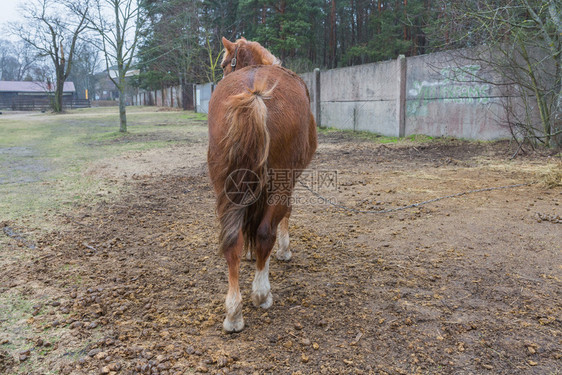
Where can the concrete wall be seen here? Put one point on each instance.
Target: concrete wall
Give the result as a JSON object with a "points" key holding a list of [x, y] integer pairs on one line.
{"points": [[168, 97], [202, 96], [452, 98], [435, 95], [360, 98]]}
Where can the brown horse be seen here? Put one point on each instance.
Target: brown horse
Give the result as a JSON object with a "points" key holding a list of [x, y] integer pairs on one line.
{"points": [[261, 135]]}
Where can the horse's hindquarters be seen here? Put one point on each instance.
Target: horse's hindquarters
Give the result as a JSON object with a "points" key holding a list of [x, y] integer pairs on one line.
{"points": [[260, 125]]}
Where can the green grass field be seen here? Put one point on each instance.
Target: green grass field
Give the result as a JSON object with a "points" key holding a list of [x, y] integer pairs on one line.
{"points": [[43, 156]]}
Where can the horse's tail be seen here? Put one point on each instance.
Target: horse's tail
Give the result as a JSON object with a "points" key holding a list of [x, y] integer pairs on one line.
{"points": [[242, 202]]}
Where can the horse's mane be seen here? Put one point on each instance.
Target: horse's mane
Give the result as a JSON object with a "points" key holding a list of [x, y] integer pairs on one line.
{"points": [[247, 53]]}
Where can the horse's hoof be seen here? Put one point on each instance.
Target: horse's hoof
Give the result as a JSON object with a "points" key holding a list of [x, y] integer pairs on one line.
{"points": [[261, 301], [231, 326], [284, 256]]}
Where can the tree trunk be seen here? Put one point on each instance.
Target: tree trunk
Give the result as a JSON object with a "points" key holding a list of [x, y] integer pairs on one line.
{"points": [[541, 102], [122, 111], [122, 104], [59, 89], [59, 86], [332, 54]]}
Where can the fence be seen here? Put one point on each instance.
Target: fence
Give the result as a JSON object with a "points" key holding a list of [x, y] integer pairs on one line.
{"points": [[203, 96], [435, 95], [430, 94], [40, 104], [174, 97]]}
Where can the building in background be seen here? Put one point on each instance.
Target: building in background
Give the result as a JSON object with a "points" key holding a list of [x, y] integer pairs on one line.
{"points": [[31, 95]]}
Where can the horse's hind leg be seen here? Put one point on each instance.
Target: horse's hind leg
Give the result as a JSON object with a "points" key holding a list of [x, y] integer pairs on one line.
{"points": [[283, 251], [261, 289], [234, 322]]}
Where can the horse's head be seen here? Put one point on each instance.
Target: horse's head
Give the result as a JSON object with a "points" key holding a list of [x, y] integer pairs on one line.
{"points": [[243, 53]]}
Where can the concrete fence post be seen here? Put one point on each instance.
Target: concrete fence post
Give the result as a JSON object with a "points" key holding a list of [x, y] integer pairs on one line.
{"points": [[316, 88], [195, 96], [401, 99]]}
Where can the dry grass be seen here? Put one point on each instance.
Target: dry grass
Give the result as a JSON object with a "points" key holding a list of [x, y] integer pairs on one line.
{"points": [[553, 176]]}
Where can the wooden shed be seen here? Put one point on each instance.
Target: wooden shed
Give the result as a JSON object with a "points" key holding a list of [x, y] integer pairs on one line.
{"points": [[32, 95]]}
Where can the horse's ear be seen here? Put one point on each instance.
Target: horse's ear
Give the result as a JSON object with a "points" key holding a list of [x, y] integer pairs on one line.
{"points": [[244, 39], [228, 45]]}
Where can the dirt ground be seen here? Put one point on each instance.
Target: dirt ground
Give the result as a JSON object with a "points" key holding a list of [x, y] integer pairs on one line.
{"points": [[465, 285]]}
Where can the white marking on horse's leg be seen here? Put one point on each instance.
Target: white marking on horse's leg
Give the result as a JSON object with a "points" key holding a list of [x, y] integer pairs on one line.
{"points": [[234, 322], [261, 290], [283, 251], [249, 254]]}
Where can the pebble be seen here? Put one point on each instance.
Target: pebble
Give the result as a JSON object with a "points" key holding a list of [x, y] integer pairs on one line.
{"points": [[100, 355], [323, 323], [305, 342], [83, 360], [94, 352], [202, 368], [115, 366], [163, 366], [288, 344], [222, 361], [190, 350]]}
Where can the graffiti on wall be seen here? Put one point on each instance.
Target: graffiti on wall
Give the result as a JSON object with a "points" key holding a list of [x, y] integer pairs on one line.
{"points": [[454, 85]]}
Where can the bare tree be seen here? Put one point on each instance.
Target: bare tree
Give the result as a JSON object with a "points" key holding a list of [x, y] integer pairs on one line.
{"points": [[26, 58], [86, 63], [118, 24], [5, 55], [521, 42], [51, 31]]}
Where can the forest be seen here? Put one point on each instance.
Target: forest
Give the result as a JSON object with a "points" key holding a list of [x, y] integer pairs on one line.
{"points": [[183, 36]]}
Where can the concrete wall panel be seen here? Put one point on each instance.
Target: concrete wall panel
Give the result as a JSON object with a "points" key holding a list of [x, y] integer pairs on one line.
{"points": [[377, 117], [449, 96], [360, 83]]}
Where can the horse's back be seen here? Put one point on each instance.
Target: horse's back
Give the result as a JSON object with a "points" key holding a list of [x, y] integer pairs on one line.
{"points": [[291, 126]]}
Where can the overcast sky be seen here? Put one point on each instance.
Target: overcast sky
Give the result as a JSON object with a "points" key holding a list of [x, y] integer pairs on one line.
{"points": [[9, 11]]}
